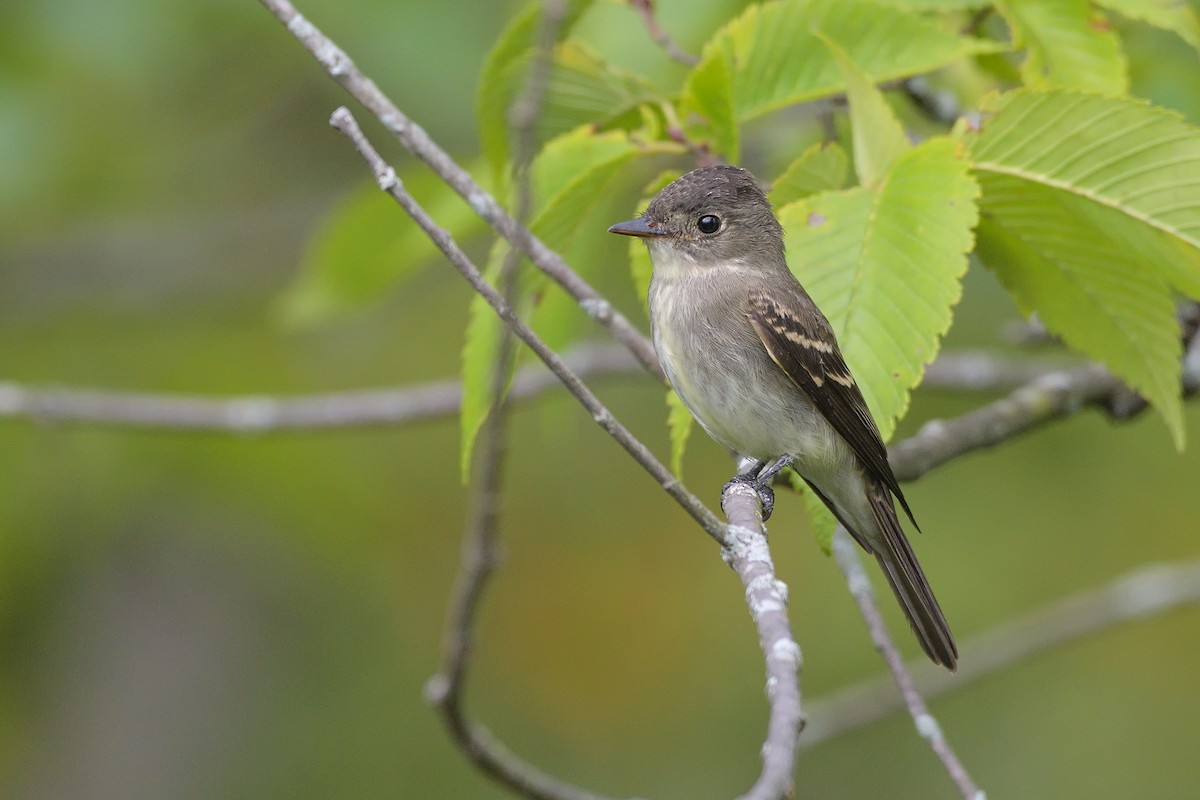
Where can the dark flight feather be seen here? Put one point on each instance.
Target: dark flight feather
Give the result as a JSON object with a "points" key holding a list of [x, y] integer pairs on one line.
{"points": [[806, 350]]}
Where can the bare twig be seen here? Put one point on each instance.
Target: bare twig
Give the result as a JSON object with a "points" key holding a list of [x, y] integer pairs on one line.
{"points": [[845, 552], [985, 371], [344, 122], [416, 141], [1136, 595], [263, 414], [749, 555], [1051, 396], [645, 8], [446, 690], [970, 371]]}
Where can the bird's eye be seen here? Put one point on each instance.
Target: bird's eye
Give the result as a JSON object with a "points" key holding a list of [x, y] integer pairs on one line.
{"points": [[709, 223]]}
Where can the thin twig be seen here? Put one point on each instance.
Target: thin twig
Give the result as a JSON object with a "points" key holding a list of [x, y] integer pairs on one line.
{"points": [[267, 414], [750, 556], [343, 121], [645, 9], [1142, 593], [985, 371], [446, 690], [1048, 397], [845, 552], [339, 67], [966, 371]]}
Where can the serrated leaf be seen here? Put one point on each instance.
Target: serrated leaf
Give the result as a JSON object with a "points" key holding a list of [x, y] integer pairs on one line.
{"points": [[1057, 261], [878, 137], [769, 56], [1103, 195], [1140, 161], [707, 104], [503, 70], [365, 248], [568, 178], [1170, 15], [584, 88], [679, 424], [820, 168], [885, 265], [1068, 45]]}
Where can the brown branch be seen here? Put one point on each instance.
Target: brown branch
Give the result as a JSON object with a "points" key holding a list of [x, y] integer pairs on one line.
{"points": [[1140, 594], [845, 552], [414, 139], [645, 9]]}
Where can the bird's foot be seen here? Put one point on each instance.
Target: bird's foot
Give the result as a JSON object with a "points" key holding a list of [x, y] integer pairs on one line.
{"points": [[766, 494]]}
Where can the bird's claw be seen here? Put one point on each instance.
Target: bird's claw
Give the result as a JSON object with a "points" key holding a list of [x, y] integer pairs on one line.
{"points": [[766, 494]]}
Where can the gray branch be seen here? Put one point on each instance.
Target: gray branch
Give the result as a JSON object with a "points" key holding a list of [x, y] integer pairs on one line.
{"points": [[264, 414], [971, 371], [1137, 595], [481, 539], [748, 553], [845, 552]]}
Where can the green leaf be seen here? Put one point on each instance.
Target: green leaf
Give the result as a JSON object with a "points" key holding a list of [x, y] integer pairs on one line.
{"points": [[819, 516], [878, 137], [584, 88], [1073, 272], [769, 57], [679, 423], [1171, 15], [366, 247], [824, 524], [503, 72], [885, 265], [569, 178], [707, 102], [1093, 217], [937, 5], [1068, 45], [820, 168]]}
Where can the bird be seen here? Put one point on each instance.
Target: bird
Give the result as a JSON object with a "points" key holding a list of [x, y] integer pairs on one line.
{"points": [[757, 364]]}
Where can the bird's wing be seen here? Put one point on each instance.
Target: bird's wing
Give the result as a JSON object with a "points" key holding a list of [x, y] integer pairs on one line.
{"points": [[806, 350]]}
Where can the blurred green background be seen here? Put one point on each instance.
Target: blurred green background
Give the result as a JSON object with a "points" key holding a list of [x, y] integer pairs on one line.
{"points": [[207, 616]]}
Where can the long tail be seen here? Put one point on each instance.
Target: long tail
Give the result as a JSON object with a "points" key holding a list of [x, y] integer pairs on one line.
{"points": [[908, 581]]}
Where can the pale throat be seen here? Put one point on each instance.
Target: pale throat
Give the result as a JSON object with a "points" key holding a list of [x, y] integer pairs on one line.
{"points": [[672, 262]]}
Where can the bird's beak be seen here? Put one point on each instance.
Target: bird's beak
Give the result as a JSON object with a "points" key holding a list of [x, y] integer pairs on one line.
{"points": [[637, 227]]}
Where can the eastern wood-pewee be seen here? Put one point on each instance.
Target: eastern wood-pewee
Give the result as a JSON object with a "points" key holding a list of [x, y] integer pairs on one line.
{"points": [[758, 366]]}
